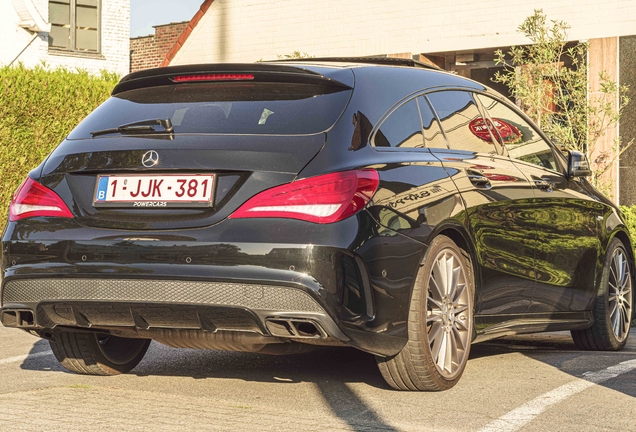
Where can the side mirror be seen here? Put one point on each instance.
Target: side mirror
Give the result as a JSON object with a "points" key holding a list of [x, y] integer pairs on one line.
{"points": [[578, 165]]}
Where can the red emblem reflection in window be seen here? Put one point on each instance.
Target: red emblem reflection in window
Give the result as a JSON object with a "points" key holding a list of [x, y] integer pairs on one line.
{"points": [[509, 133]]}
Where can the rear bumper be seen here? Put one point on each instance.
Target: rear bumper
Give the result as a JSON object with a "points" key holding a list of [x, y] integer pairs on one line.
{"points": [[350, 281], [135, 306]]}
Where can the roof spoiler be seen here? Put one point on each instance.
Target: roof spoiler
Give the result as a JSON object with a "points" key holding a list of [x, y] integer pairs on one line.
{"points": [[260, 72], [388, 61]]}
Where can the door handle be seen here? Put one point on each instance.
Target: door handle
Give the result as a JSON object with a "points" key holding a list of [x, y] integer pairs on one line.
{"points": [[543, 185], [479, 181]]}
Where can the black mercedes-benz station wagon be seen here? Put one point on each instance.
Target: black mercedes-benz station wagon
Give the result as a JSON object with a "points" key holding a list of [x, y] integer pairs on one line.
{"points": [[278, 207]]}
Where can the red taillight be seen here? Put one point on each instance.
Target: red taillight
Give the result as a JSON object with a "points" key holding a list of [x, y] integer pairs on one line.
{"points": [[214, 77], [32, 199], [323, 199]]}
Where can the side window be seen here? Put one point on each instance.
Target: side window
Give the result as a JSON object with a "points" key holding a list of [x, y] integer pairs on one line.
{"points": [[462, 122], [520, 138], [433, 136], [402, 128]]}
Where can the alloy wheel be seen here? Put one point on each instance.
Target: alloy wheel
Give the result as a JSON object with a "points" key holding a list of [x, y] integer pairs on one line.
{"points": [[448, 314], [620, 295]]}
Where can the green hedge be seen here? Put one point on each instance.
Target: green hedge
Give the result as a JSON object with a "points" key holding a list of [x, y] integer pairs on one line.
{"points": [[630, 220], [38, 108]]}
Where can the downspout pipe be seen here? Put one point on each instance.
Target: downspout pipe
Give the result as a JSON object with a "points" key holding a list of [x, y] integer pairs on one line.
{"points": [[23, 49]]}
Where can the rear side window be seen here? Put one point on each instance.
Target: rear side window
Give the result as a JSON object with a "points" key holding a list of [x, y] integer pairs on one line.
{"points": [[462, 122], [521, 139], [224, 108], [402, 128]]}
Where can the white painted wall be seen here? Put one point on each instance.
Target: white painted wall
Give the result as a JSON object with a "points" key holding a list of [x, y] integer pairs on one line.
{"points": [[115, 40], [249, 30]]}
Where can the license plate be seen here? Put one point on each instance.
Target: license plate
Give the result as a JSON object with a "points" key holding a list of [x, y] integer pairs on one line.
{"points": [[154, 191]]}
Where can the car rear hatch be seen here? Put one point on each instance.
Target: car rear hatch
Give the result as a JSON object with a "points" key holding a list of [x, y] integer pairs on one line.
{"points": [[217, 135]]}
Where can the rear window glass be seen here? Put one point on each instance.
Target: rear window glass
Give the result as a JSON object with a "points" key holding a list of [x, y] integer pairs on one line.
{"points": [[223, 108]]}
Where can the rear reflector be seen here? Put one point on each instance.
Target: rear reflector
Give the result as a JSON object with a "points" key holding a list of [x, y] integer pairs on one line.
{"points": [[323, 199], [214, 77], [32, 199]]}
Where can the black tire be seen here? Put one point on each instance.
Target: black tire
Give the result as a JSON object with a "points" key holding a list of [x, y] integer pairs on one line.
{"points": [[602, 335], [416, 367], [93, 354]]}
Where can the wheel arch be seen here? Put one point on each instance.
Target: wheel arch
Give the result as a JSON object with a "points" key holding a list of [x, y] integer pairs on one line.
{"points": [[623, 236], [458, 234], [614, 226], [454, 230]]}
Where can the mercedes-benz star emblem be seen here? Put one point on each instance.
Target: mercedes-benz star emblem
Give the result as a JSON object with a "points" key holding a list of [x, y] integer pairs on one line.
{"points": [[150, 159]]}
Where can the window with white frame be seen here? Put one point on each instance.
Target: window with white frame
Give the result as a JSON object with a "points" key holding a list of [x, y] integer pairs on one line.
{"points": [[75, 25]]}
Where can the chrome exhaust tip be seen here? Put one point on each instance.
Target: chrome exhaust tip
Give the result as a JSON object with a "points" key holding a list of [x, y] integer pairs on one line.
{"points": [[297, 328], [18, 318]]}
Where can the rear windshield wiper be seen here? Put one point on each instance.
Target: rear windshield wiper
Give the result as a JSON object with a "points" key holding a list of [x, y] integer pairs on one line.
{"points": [[140, 127]]}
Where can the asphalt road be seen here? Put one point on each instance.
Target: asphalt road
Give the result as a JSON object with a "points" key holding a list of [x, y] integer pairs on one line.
{"points": [[529, 383]]}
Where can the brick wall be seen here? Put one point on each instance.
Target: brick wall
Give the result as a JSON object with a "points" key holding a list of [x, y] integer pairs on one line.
{"points": [[149, 51]]}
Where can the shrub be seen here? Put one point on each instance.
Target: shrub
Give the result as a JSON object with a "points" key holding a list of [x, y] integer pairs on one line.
{"points": [[38, 108], [630, 220], [549, 80]]}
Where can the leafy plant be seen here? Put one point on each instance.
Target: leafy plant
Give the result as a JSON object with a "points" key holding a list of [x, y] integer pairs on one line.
{"points": [[38, 108], [549, 80], [629, 212], [295, 55]]}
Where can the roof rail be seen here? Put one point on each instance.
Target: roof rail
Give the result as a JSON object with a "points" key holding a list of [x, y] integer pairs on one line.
{"points": [[390, 61]]}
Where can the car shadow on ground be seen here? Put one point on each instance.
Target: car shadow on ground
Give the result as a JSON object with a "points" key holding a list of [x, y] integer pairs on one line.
{"points": [[331, 365], [39, 360], [332, 370], [329, 369]]}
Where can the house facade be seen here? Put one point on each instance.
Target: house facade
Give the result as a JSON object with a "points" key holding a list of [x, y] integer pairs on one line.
{"points": [[87, 34], [459, 36]]}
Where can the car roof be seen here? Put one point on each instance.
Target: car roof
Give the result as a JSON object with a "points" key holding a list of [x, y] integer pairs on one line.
{"points": [[326, 71]]}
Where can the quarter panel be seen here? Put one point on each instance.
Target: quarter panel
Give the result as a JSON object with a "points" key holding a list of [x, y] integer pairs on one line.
{"points": [[415, 197]]}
